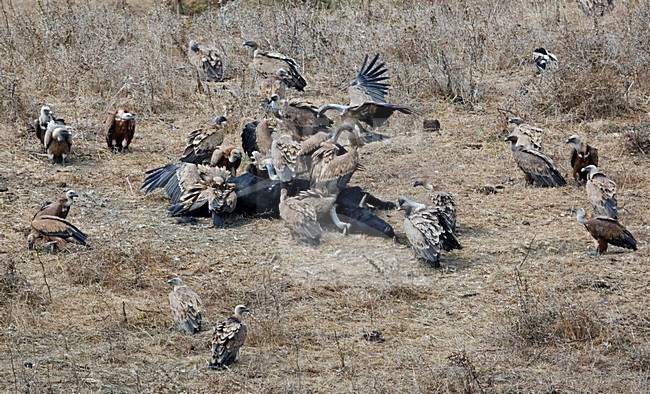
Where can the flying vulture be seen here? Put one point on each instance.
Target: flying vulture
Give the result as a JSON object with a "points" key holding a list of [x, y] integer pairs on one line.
{"points": [[444, 201], [59, 208], [428, 230], [601, 192], [57, 142], [55, 231], [186, 307], [202, 142], [227, 338], [606, 230], [582, 155], [529, 136], [537, 167], [228, 157], [544, 60], [332, 165], [268, 63], [207, 62], [299, 116], [120, 128], [367, 98]]}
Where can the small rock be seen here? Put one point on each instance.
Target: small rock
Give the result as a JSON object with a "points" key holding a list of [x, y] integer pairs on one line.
{"points": [[61, 184], [430, 125]]}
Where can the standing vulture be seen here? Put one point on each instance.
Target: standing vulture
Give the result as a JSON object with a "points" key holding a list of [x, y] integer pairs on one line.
{"points": [[601, 192], [59, 208], [57, 142], [606, 231], [207, 62], [39, 126], [228, 157], [444, 201], [249, 138], [427, 230], [582, 155], [332, 165], [299, 116], [55, 232], [537, 167], [268, 63], [202, 142], [544, 60], [120, 128], [186, 307], [227, 338], [529, 136]]}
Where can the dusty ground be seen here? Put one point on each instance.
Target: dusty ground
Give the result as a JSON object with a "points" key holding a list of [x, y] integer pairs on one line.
{"points": [[523, 307]]}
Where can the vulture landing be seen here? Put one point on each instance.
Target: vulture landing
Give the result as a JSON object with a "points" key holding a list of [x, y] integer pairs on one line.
{"points": [[59, 208], [537, 167], [601, 192], [119, 127], [227, 338], [606, 231], [582, 155], [186, 307]]}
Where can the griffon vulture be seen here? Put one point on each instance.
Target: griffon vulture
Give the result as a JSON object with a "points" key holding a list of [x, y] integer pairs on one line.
{"points": [[582, 155], [39, 126], [428, 230], [228, 157], [59, 208], [606, 231], [299, 116], [601, 192], [268, 63], [57, 142], [207, 62], [55, 232], [274, 85], [529, 136], [544, 60], [444, 201], [227, 338], [285, 155], [537, 167], [202, 142], [186, 307], [120, 128], [333, 166]]}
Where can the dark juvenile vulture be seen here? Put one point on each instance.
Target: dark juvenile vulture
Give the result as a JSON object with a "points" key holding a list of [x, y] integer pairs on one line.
{"points": [[367, 98], [186, 307], [228, 157], [57, 142], [300, 117], [427, 230], [249, 137], [268, 63], [582, 155], [120, 128], [202, 142], [207, 62], [537, 167], [544, 60], [55, 232], [444, 201], [606, 231], [59, 208], [601, 192], [529, 136], [333, 166], [227, 338]]}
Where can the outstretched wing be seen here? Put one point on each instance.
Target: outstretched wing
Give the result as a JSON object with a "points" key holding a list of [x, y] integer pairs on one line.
{"points": [[369, 85]]}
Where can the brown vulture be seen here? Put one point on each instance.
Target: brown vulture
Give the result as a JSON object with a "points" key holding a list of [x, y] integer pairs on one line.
{"points": [[332, 165], [606, 230], [582, 155], [227, 338], [299, 116], [274, 85], [444, 201], [529, 136], [367, 98], [544, 60], [55, 231], [285, 155], [186, 307], [59, 208], [202, 142], [228, 157], [207, 62], [119, 127], [268, 63], [601, 192], [57, 142], [537, 167], [428, 230]]}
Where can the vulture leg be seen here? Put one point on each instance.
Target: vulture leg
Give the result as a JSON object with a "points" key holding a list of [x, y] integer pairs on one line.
{"points": [[602, 246], [345, 227]]}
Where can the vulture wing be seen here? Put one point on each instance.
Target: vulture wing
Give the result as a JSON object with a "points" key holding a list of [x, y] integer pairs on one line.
{"points": [[538, 167], [201, 143], [601, 192], [109, 128], [369, 85], [424, 236], [302, 220], [50, 227], [249, 139], [301, 118], [284, 153], [330, 171], [227, 338], [186, 309], [611, 231], [376, 114], [270, 62]]}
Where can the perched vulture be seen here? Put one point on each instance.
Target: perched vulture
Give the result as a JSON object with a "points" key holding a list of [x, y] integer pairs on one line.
{"points": [[444, 201], [39, 126], [367, 98], [202, 142], [529, 136], [55, 232], [227, 338], [207, 62], [120, 128], [601, 192], [332, 165], [274, 85], [299, 116], [186, 307], [268, 63], [606, 231], [428, 230], [228, 157], [582, 155], [59, 208], [537, 167], [57, 142], [544, 60]]}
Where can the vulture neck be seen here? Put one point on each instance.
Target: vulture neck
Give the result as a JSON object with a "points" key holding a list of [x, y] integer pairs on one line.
{"points": [[327, 107], [412, 204], [68, 202], [581, 216]]}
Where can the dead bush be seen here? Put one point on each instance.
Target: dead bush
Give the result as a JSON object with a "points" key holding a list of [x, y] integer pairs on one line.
{"points": [[636, 139], [14, 286]]}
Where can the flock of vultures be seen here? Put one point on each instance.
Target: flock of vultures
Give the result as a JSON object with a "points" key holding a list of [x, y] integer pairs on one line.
{"points": [[301, 162]]}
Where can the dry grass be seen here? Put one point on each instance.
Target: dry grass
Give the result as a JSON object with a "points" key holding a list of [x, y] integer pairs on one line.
{"points": [[97, 320]]}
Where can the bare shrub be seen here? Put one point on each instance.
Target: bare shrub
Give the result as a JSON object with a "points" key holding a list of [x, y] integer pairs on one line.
{"points": [[15, 286]]}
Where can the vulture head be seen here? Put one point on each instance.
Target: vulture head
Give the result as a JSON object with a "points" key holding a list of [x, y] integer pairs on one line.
{"points": [[240, 310], [512, 139], [541, 51], [574, 139], [194, 46], [252, 47], [220, 120], [282, 73], [125, 115], [175, 282], [580, 213], [407, 205], [421, 182], [45, 112], [516, 120], [235, 154], [60, 132], [70, 195]]}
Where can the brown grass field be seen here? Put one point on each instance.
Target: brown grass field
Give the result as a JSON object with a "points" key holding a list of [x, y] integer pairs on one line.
{"points": [[522, 308]]}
